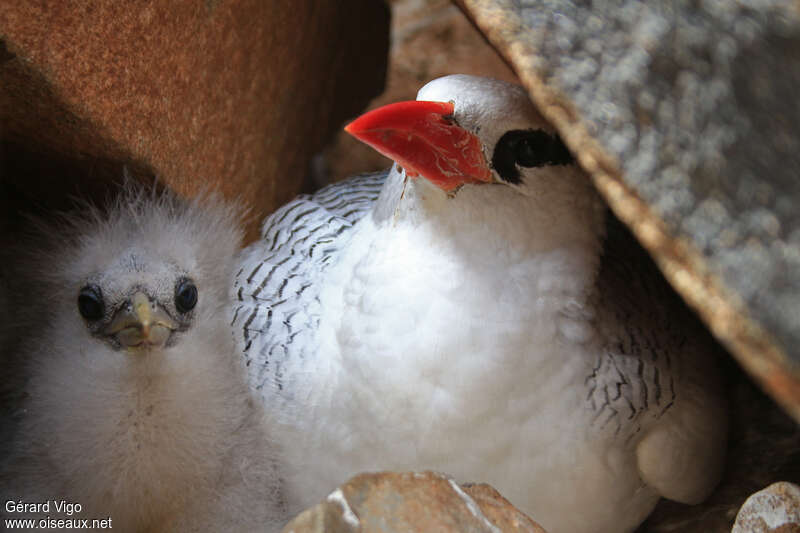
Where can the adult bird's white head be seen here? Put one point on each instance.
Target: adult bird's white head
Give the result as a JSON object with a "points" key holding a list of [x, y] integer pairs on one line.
{"points": [[464, 130], [481, 143]]}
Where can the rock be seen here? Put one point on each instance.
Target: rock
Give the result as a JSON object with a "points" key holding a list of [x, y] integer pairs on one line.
{"points": [[500, 511], [326, 517], [234, 94], [685, 117], [776, 509], [400, 502]]}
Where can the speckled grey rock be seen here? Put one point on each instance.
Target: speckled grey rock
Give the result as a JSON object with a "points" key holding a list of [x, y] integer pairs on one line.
{"points": [[776, 509], [686, 116]]}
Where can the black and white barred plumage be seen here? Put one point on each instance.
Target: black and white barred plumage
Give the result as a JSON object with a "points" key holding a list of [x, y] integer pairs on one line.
{"points": [[276, 309]]}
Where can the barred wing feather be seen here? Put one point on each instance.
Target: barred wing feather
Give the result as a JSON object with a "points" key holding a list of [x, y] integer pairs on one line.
{"points": [[276, 290]]}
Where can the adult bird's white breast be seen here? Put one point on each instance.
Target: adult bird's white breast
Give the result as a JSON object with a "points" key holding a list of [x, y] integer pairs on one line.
{"points": [[467, 319]]}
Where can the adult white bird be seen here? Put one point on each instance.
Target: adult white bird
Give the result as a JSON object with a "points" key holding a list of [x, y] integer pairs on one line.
{"points": [[137, 408], [460, 314]]}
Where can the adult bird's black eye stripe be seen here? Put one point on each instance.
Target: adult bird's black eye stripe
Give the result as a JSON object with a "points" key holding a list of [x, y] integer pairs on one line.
{"points": [[528, 148]]}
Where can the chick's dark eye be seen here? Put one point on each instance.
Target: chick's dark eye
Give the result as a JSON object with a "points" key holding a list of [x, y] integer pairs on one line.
{"points": [[185, 296], [90, 302], [527, 148]]}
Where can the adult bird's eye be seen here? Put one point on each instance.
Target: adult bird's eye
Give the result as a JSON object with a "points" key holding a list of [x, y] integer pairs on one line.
{"points": [[527, 148], [185, 296], [90, 302], [528, 152]]}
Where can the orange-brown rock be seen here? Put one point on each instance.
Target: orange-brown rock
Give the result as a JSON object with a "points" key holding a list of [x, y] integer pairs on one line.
{"points": [[234, 94], [391, 502]]}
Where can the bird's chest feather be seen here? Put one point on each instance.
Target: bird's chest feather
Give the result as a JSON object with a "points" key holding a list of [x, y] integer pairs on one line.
{"points": [[419, 325], [137, 410], [473, 364]]}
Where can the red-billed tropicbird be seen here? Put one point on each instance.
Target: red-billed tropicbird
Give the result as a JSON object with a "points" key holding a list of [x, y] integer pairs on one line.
{"points": [[459, 314]]}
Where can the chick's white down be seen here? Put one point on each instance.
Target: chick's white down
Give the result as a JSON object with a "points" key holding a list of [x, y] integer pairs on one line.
{"points": [[156, 437], [490, 332]]}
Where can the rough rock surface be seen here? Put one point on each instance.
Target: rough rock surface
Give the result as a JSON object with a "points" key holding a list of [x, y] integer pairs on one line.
{"points": [[391, 502], [685, 114], [776, 509], [235, 94]]}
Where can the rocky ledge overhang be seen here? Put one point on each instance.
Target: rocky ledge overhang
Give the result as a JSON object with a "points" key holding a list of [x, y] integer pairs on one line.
{"points": [[686, 116]]}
